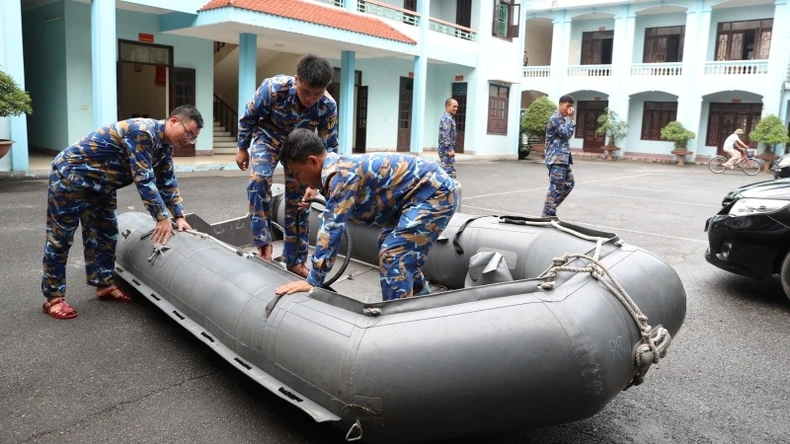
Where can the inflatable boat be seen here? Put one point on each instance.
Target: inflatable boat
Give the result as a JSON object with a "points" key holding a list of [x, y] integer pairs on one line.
{"points": [[532, 322]]}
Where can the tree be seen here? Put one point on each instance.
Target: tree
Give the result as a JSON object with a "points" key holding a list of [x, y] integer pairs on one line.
{"points": [[611, 125], [676, 132], [13, 99], [537, 116], [769, 131]]}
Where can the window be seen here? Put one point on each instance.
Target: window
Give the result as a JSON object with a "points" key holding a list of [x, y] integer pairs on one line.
{"points": [[597, 48], [497, 109], [657, 115], [664, 45], [506, 19], [747, 40]]}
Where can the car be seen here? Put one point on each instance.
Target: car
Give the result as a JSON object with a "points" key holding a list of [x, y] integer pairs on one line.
{"points": [[750, 236], [525, 147], [781, 167]]}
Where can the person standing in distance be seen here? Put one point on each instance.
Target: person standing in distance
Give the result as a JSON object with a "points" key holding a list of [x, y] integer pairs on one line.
{"points": [[559, 130], [447, 136], [280, 105]]}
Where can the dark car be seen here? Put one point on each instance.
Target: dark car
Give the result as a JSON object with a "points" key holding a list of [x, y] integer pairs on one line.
{"points": [[750, 236]]}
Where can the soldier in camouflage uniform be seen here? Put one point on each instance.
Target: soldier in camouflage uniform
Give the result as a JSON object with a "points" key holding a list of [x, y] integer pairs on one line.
{"points": [[559, 130], [447, 136], [412, 199], [82, 190], [280, 105]]}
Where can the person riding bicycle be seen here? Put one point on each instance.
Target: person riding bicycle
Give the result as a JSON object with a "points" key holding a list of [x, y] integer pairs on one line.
{"points": [[732, 144]]}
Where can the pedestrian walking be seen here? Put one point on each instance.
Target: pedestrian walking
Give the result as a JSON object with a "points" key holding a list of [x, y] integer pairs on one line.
{"points": [[558, 156], [447, 136]]}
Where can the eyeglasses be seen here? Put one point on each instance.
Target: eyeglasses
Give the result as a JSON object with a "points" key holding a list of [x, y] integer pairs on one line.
{"points": [[191, 137]]}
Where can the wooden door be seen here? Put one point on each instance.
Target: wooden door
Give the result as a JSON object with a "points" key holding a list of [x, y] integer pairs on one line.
{"points": [[404, 113], [724, 118], [587, 122], [459, 94], [463, 13], [182, 92], [411, 5], [362, 120]]}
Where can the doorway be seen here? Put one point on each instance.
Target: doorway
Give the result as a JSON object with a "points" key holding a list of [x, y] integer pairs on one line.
{"points": [[597, 48], [587, 124], [724, 118], [404, 113], [459, 94]]}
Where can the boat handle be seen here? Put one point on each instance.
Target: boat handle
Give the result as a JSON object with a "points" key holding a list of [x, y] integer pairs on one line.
{"points": [[354, 427]]}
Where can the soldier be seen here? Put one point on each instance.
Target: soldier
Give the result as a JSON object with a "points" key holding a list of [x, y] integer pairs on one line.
{"points": [[280, 105], [447, 136], [82, 190], [412, 199], [559, 130]]}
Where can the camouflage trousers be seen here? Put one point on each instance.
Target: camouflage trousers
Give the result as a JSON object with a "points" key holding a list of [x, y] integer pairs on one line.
{"points": [[448, 164], [68, 206], [404, 247], [263, 161], [560, 185]]}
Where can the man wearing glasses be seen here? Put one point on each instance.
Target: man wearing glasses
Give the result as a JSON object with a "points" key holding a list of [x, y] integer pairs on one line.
{"points": [[82, 191]]}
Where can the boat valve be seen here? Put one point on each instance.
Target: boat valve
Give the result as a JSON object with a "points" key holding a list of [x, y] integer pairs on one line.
{"points": [[158, 249]]}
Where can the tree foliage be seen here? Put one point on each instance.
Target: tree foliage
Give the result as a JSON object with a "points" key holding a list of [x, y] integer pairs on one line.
{"points": [[769, 131], [13, 99], [676, 132], [537, 117], [611, 125]]}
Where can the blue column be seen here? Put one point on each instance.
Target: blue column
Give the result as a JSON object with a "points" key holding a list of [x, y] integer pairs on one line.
{"points": [[346, 117], [15, 66], [248, 67], [103, 63], [420, 81]]}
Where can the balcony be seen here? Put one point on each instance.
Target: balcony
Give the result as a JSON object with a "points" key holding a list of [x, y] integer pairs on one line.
{"points": [[736, 68], [400, 15], [657, 69], [590, 71], [531, 72]]}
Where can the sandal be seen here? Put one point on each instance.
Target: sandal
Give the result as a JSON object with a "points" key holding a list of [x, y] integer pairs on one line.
{"points": [[63, 310], [114, 293]]}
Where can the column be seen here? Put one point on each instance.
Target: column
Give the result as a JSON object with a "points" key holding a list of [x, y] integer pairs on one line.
{"points": [[778, 59], [567, 26], [558, 51], [104, 63], [14, 65], [346, 117], [420, 81], [350, 5], [248, 67], [622, 58], [690, 104]]}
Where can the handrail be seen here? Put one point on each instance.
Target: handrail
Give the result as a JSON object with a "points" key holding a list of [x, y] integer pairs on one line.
{"points": [[226, 116]]}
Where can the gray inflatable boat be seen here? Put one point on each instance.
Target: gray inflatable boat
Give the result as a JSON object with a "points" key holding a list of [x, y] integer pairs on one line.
{"points": [[532, 322]]}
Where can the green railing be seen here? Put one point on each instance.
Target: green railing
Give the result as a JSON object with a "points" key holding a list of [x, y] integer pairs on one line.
{"points": [[384, 10]]}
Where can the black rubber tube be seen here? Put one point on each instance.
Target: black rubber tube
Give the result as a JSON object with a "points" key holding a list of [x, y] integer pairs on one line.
{"points": [[348, 243]]}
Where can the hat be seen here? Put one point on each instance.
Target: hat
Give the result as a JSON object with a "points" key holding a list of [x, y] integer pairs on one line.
{"points": [[739, 131]]}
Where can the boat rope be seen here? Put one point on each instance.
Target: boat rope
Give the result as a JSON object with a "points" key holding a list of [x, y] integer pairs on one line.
{"points": [[655, 340]]}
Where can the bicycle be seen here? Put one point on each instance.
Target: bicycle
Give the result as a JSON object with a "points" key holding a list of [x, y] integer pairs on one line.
{"points": [[748, 164]]}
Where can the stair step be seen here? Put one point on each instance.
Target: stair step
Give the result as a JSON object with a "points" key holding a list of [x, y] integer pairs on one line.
{"points": [[232, 144], [222, 133], [221, 150], [224, 139]]}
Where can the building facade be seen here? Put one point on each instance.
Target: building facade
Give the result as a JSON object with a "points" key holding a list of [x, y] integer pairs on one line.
{"points": [[88, 63], [714, 66]]}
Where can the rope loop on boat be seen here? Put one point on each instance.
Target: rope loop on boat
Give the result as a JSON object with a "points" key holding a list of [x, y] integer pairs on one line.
{"points": [[655, 340], [356, 427]]}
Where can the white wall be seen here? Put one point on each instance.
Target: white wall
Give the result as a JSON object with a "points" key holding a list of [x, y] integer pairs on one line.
{"points": [[538, 41]]}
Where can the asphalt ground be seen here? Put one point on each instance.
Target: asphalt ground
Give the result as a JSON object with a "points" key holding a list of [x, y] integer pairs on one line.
{"points": [[126, 373]]}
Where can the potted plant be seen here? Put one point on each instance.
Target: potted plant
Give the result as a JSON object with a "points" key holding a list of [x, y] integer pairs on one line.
{"points": [[13, 101], [769, 131], [676, 132], [614, 128], [535, 120]]}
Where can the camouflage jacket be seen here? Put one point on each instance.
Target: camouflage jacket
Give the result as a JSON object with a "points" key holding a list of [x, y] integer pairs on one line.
{"points": [[558, 134]]}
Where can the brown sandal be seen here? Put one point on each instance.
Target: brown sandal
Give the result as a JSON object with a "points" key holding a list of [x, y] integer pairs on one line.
{"points": [[63, 310], [114, 293]]}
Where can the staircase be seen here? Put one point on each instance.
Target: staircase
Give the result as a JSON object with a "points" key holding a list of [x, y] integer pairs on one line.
{"points": [[224, 142]]}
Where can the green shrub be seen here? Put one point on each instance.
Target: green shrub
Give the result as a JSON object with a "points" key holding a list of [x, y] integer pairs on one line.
{"points": [[676, 132], [537, 116], [769, 131], [611, 125], [13, 99]]}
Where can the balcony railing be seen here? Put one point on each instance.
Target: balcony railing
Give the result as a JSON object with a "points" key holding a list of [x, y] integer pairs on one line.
{"points": [[736, 68], [532, 72], [338, 3], [452, 29], [384, 10], [590, 71], [657, 69]]}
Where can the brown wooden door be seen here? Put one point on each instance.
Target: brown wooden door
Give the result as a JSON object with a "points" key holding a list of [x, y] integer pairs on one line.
{"points": [[587, 121], [459, 94], [182, 92], [404, 113], [411, 5], [362, 120], [724, 118], [463, 13]]}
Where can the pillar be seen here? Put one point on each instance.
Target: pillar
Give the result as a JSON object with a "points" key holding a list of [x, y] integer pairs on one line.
{"points": [[346, 117], [104, 63], [248, 67]]}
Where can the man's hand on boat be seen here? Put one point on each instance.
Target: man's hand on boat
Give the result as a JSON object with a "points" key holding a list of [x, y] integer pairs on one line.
{"points": [[164, 229], [293, 287]]}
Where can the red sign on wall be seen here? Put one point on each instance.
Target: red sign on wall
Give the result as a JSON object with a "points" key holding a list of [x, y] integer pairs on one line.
{"points": [[147, 38], [459, 78], [411, 75], [736, 100]]}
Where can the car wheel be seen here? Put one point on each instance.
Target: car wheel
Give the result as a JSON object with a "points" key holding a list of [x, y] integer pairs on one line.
{"points": [[785, 275]]}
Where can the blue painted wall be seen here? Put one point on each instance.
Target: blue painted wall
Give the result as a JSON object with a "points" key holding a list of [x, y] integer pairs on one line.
{"points": [[45, 76]]}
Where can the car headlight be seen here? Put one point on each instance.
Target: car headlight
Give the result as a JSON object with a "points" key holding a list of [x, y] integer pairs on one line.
{"points": [[745, 207]]}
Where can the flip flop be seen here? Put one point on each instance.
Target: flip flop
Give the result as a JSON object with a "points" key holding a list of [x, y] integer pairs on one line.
{"points": [[114, 293], [64, 310]]}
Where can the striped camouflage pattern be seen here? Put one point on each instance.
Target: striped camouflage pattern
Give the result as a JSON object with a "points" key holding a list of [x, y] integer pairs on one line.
{"points": [[82, 191], [412, 199], [558, 160], [447, 137], [269, 117]]}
